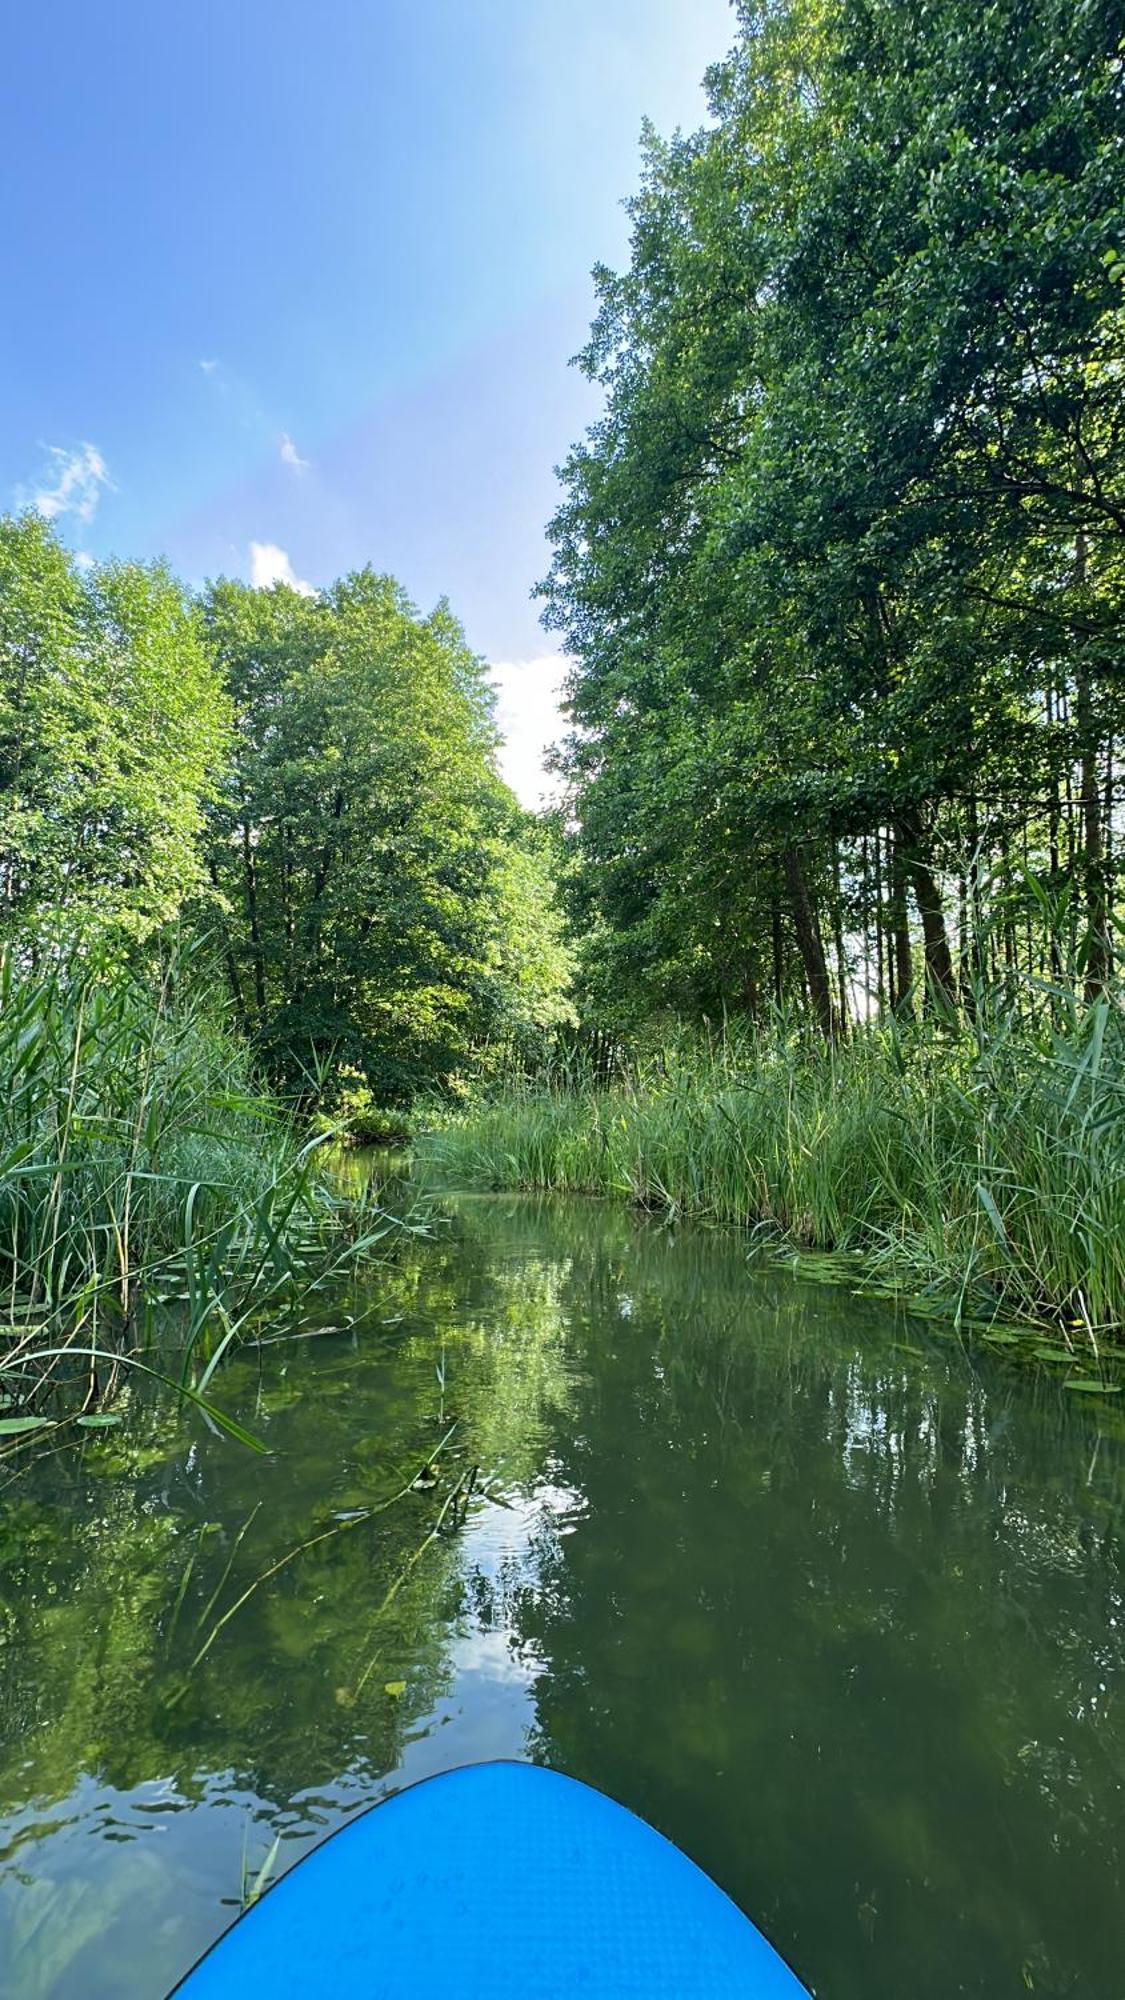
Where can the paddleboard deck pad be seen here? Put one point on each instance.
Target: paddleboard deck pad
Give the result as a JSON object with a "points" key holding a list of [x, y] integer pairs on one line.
{"points": [[503, 1880]]}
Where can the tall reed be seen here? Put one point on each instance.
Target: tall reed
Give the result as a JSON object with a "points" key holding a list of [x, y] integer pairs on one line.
{"points": [[141, 1170], [980, 1167]]}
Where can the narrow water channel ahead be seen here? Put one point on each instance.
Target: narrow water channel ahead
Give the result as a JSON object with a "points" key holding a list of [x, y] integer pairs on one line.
{"points": [[834, 1605]]}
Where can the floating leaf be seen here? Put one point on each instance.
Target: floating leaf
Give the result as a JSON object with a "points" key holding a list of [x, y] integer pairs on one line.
{"points": [[98, 1420], [394, 1689], [19, 1426], [1091, 1387]]}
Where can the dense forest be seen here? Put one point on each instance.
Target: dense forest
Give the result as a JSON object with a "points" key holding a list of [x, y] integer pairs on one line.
{"points": [[842, 567], [262, 884], [308, 784]]}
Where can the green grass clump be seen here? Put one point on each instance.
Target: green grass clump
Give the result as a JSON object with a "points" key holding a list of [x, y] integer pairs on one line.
{"points": [[981, 1167], [148, 1191]]}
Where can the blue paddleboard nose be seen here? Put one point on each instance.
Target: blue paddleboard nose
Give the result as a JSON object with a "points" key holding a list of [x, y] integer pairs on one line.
{"points": [[496, 1880]]}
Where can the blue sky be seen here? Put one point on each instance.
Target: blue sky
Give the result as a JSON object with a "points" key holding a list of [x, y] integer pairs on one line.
{"points": [[293, 287]]}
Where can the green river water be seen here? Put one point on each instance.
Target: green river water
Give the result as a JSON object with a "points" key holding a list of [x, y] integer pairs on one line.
{"points": [[833, 1603]]}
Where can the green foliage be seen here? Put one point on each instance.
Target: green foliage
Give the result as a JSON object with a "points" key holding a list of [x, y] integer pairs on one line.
{"points": [[350, 1109], [983, 1174], [150, 1196], [113, 723], [843, 564], [386, 904]]}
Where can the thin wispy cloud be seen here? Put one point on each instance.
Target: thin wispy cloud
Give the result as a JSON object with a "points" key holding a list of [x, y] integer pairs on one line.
{"points": [[290, 455], [71, 483], [270, 565], [209, 367]]}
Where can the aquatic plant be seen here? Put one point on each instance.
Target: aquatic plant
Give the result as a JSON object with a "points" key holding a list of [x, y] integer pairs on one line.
{"points": [[980, 1169], [150, 1196]]}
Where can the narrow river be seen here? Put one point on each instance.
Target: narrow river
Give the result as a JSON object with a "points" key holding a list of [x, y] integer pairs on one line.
{"points": [[835, 1605]]}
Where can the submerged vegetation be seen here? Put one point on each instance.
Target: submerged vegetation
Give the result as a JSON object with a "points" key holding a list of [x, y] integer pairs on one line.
{"points": [[722, 1520]]}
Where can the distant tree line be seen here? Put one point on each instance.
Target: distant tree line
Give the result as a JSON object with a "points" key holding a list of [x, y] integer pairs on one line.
{"points": [[310, 782], [842, 566]]}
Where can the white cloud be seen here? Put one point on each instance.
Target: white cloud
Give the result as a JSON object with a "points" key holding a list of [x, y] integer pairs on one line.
{"points": [[83, 559], [209, 367], [78, 477], [290, 455], [530, 719], [270, 565]]}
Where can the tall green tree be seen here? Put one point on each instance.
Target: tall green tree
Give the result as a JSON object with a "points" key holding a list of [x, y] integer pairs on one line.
{"points": [[113, 725], [842, 564], [385, 905]]}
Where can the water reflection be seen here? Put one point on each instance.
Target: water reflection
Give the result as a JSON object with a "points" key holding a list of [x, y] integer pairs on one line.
{"points": [[835, 1605]]}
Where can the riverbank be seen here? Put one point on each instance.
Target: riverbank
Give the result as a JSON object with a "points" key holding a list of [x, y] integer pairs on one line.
{"points": [[979, 1172], [155, 1201]]}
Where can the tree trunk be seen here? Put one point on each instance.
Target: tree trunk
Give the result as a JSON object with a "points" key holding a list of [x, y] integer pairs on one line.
{"points": [[1107, 855], [939, 960], [879, 979], [231, 963], [250, 874], [776, 943], [1055, 814], [838, 936], [901, 966], [1093, 858], [808, 939], [287, 895], [974, 960]]}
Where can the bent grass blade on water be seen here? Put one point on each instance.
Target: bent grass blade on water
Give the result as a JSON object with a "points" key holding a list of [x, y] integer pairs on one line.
{"points": [[357, 1520], [460, 1492], [220, 1418]]}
